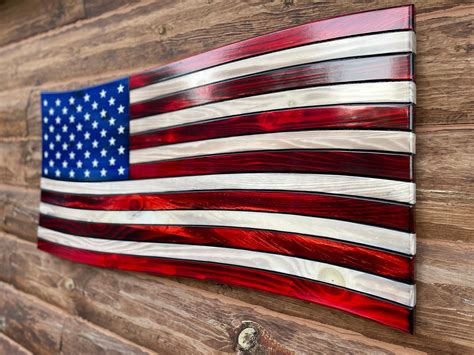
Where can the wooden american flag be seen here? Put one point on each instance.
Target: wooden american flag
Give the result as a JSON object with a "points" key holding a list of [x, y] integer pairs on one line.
{"points": [[282, 163]]}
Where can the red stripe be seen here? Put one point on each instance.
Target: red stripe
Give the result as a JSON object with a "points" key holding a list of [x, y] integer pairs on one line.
{"points": [[390, 166], [376, 213], [380, 311], [335, 117], [399, 18], [378, 262], [397, 67]]}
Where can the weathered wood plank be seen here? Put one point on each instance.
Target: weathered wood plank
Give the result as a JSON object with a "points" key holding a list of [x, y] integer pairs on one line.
{"points": [[22, 19], [443, 30], [45, 329], [202, 315], [8, 346]]}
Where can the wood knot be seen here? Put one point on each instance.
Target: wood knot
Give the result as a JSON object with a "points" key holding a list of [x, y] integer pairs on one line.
{"points": [[69, 284], [247, 338]]}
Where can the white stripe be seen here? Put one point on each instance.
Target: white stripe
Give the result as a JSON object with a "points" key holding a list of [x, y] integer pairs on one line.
{"points": [[379, 92], [383, 43], [335, 275], [331, 228], [393, 141], [391, 190]]}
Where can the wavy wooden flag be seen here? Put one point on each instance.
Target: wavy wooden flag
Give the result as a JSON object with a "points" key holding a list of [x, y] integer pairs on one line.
{"points": [[282, 163]]}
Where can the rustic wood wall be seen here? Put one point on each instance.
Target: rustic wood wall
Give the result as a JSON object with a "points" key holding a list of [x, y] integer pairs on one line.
{"points": [[48, 305]]}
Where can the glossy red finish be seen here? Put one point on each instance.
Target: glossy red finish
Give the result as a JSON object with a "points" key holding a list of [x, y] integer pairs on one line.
{"points": [[390, 67], [390, 166], [331, 117], [388, 215], [382, 263], [378, 310], [398, 18]]}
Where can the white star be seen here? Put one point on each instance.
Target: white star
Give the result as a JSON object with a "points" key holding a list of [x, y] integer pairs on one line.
{"points": [[121, 130], [58, 173], [58, 138], [95, 144], [72, 136], [112, 141], [72, 119], [46, 136], [79, 164], [58, 102], [51, 146], [103, 113], [95, 124], [103, 133], [64, 146], [46, 154], [51, 163], [120, 88], [112, 161], [51, 129], [121, 150], [58, 120], [87, 116], [112, 121], [72, 155], [103, 93], [121, 109], [112, 101], [45, 171], [71, 174], [58, 155], [121, 170], [87, 135], [79, 108], [45, 103], [95, 163], [86, 97], [64, 110], [71, 100], [79, 146], [45, 120], [64, 128], [94, 105], [103, 172], [87, 173], [87, 154], [64, 164], [103, 152], [51, 111], [79, 127]]}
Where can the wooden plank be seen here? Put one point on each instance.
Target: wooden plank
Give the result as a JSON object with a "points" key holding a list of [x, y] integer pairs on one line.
{"points": [[45, 329], [443, 54], [22, 19], [443, 50], [8, 346], [195, 315]]}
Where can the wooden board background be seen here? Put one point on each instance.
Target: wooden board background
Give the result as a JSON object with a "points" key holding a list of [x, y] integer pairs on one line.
{"points": [[48, 305]]}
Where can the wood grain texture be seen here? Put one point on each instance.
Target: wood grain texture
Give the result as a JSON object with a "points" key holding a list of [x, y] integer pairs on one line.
{"points": [[382, 263], [354, 280], [8, 346], [351, 116], [45, 329], [377, 237], [377, 44], [383, 189], [149, 34], [187, 312], [379, 92]]}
